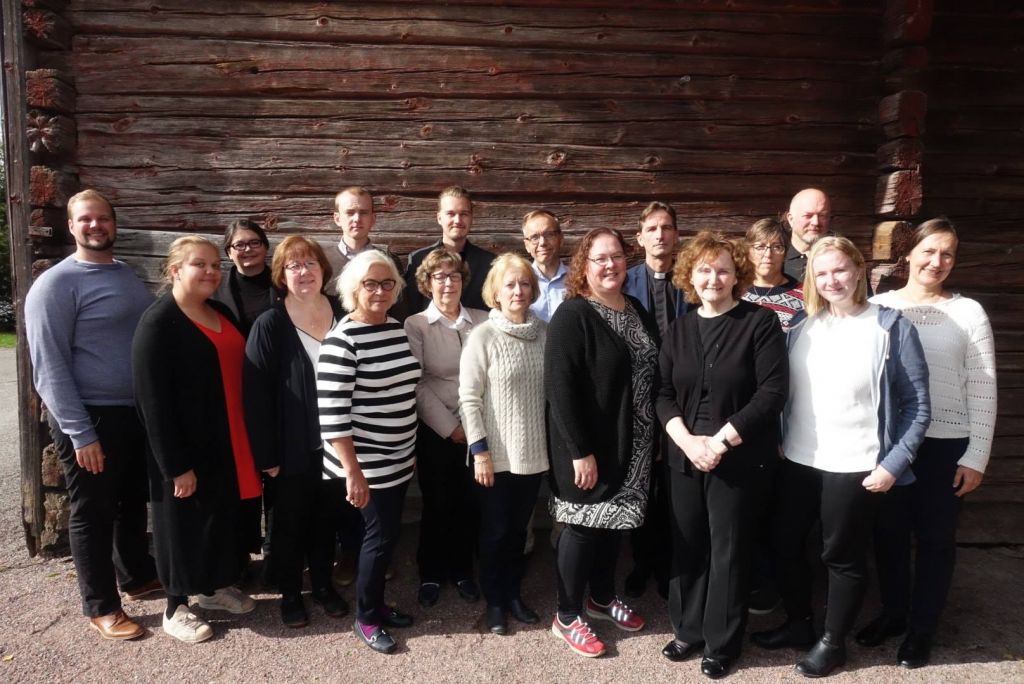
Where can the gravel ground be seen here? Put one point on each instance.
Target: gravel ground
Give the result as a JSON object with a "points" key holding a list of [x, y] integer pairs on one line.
{"points": [[44, 638]]}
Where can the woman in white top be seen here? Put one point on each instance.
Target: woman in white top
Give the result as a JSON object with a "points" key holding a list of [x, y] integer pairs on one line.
{"points": [[957, 340], [501, 399], [857, 412], [436, 337]]}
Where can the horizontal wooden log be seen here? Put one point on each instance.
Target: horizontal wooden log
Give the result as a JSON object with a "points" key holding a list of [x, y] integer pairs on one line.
{"points": [[898, 194], [956, 87], [907, 21], [46, 29], [960, 185], [49, 89], [50, 187], [902, 153], [45, 4], [588, 28], [913, 58], [51, 136], [887, 234], [209, 67], [903, 114]]}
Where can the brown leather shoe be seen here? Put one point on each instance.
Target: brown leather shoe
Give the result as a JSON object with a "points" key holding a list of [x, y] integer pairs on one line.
{"points": [[151, 587], [117, 625]]}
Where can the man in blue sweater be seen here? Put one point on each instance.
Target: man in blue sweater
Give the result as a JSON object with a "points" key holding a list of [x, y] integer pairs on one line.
{"points": [[80, 317]]}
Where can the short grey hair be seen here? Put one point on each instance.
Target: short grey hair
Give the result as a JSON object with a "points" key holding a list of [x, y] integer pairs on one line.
{"points": [[351, 278]]}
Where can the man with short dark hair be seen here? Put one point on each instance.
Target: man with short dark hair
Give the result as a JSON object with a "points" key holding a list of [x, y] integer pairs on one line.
{"points": [[542, 235], [80, 317]]}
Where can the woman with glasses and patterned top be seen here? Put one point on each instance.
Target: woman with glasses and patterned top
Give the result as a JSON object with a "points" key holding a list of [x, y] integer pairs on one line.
{"points": [[599, 375], [437, 337], [957, 339], [284, 429], [366, 393], [501, 399], [772, 288]]}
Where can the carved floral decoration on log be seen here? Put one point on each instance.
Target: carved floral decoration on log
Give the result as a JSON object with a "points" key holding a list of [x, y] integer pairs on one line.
{"points": [[50, 133]]}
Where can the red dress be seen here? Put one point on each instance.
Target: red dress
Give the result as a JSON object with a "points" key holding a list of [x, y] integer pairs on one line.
{"points": [[230, 347]]}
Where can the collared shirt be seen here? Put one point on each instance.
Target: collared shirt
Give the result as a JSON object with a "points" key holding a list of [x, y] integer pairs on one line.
{"points": [[796, 263], [552, 292], [434, 315]]}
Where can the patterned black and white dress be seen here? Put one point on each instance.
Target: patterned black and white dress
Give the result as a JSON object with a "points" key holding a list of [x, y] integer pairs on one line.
{"points": [[625, 509]]}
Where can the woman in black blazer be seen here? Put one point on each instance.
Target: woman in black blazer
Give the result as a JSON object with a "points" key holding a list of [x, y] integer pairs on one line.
{"points": [[284, 426], [724, 380], [187, 360]]}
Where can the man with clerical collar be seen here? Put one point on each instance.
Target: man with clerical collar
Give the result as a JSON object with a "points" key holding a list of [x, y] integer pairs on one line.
{"points": [[651, 281], [809, 216], [542, 235], [455, 217]]}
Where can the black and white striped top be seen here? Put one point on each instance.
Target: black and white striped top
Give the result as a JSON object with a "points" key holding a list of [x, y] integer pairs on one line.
{"points": [[366, 389]]}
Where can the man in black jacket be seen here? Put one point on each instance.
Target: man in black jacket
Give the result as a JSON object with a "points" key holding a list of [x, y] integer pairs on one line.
{"points": [[809, 216]]}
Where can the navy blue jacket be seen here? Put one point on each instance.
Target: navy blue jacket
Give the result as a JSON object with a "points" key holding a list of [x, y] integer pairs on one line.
{"points": [[636, 287]]}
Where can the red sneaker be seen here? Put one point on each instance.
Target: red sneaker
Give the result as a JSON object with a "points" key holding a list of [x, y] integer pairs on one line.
{"points": [[617, 612], [579, 637]]}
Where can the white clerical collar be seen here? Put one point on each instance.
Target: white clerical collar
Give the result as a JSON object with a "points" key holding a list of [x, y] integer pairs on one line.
{"points": [[434, 315]]}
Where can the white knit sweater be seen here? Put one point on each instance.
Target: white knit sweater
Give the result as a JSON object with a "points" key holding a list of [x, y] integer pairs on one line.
{"points": [[501, 392], [957, 340]]}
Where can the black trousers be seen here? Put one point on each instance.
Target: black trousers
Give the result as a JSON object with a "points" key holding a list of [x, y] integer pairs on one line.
{"points": [[586, 556], [382, 518], [846, 511], [927, 509], [712, 538], [107, 527], [448, 523], [306, 513], [505, 511], [651, 555]]}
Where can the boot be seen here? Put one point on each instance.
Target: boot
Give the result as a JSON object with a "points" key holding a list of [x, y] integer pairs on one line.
{"points": [[797, 634], [826, 655]]}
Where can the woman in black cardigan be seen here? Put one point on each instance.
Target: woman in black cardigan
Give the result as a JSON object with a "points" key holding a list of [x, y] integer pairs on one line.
{"points": [[724, 380], [600, 364], [187, 359], [284, 426]]}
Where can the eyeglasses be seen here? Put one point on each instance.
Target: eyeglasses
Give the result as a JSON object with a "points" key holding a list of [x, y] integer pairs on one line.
{"points": [[374, 285], [297, 266], [775, 248], [245, 245], [608, 260], [441, 277], [548, 236]]}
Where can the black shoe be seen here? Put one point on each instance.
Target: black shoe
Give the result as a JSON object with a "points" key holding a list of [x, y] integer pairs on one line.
{"points": [[293, 611], [798, 635], [379, 640], [678, 651], [468, 590], [879, 630], [428, 594], [915, 651], [495, 619], [328, 599], [824, 657], [714, 668], [521, 612], [636, 583], [390, 617], [763, 601]]}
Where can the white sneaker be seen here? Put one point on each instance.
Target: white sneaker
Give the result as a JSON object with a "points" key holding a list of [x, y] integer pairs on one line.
{"points": [[185, 626], [230, 599]]}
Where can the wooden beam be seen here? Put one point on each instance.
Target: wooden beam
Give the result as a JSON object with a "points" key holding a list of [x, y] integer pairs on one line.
{"points": [[46, 29], [48, 89], [51, 136], [902, 153], [889, 234], [907, 21], [903, 114], [50, 187], [898, 194]]}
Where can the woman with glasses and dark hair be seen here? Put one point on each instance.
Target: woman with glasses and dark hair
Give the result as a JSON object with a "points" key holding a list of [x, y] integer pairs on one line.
{"points": [[366, 392], [437, 337], [246, 289], [284, 430], [599, 375], [771, 287]]}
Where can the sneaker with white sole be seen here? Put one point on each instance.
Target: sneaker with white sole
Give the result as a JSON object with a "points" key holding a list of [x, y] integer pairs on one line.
{"points": [[186, 626], [231, 599], [618, 612], [579, 637]]}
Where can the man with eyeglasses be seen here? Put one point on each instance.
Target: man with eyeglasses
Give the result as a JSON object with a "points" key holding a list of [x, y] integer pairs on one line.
{"points": [[650, 282], [809, 216], [455, 216], [542, 236]]}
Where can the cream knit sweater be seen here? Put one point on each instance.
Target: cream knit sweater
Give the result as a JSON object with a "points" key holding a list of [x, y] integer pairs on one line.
{"points": [[501, 392]]}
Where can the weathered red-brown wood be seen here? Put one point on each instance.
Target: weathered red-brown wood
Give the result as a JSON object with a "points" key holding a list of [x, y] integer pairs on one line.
{"points": [[51, 187], [907, 21], [46, 29], [903, 114], [51, 135], [48, 89], [903, 153], [898, 194]]}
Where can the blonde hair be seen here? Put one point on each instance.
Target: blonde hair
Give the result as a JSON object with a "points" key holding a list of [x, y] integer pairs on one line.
{"points": [[86, 195], [814, 303], [456, 191], [351, 278], [178, 252], [499, 267], [356, 190]]}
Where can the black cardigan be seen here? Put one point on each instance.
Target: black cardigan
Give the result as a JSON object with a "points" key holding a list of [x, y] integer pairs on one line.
{"points": [[477, 258], [749, 379], [279, 389], [588, 387]]}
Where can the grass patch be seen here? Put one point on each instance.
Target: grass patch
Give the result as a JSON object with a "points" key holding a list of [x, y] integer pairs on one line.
{"points": [[8, 340]]}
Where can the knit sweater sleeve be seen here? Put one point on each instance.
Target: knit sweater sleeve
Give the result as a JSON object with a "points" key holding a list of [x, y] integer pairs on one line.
{"points": [[981, 389], [473, 383]]}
